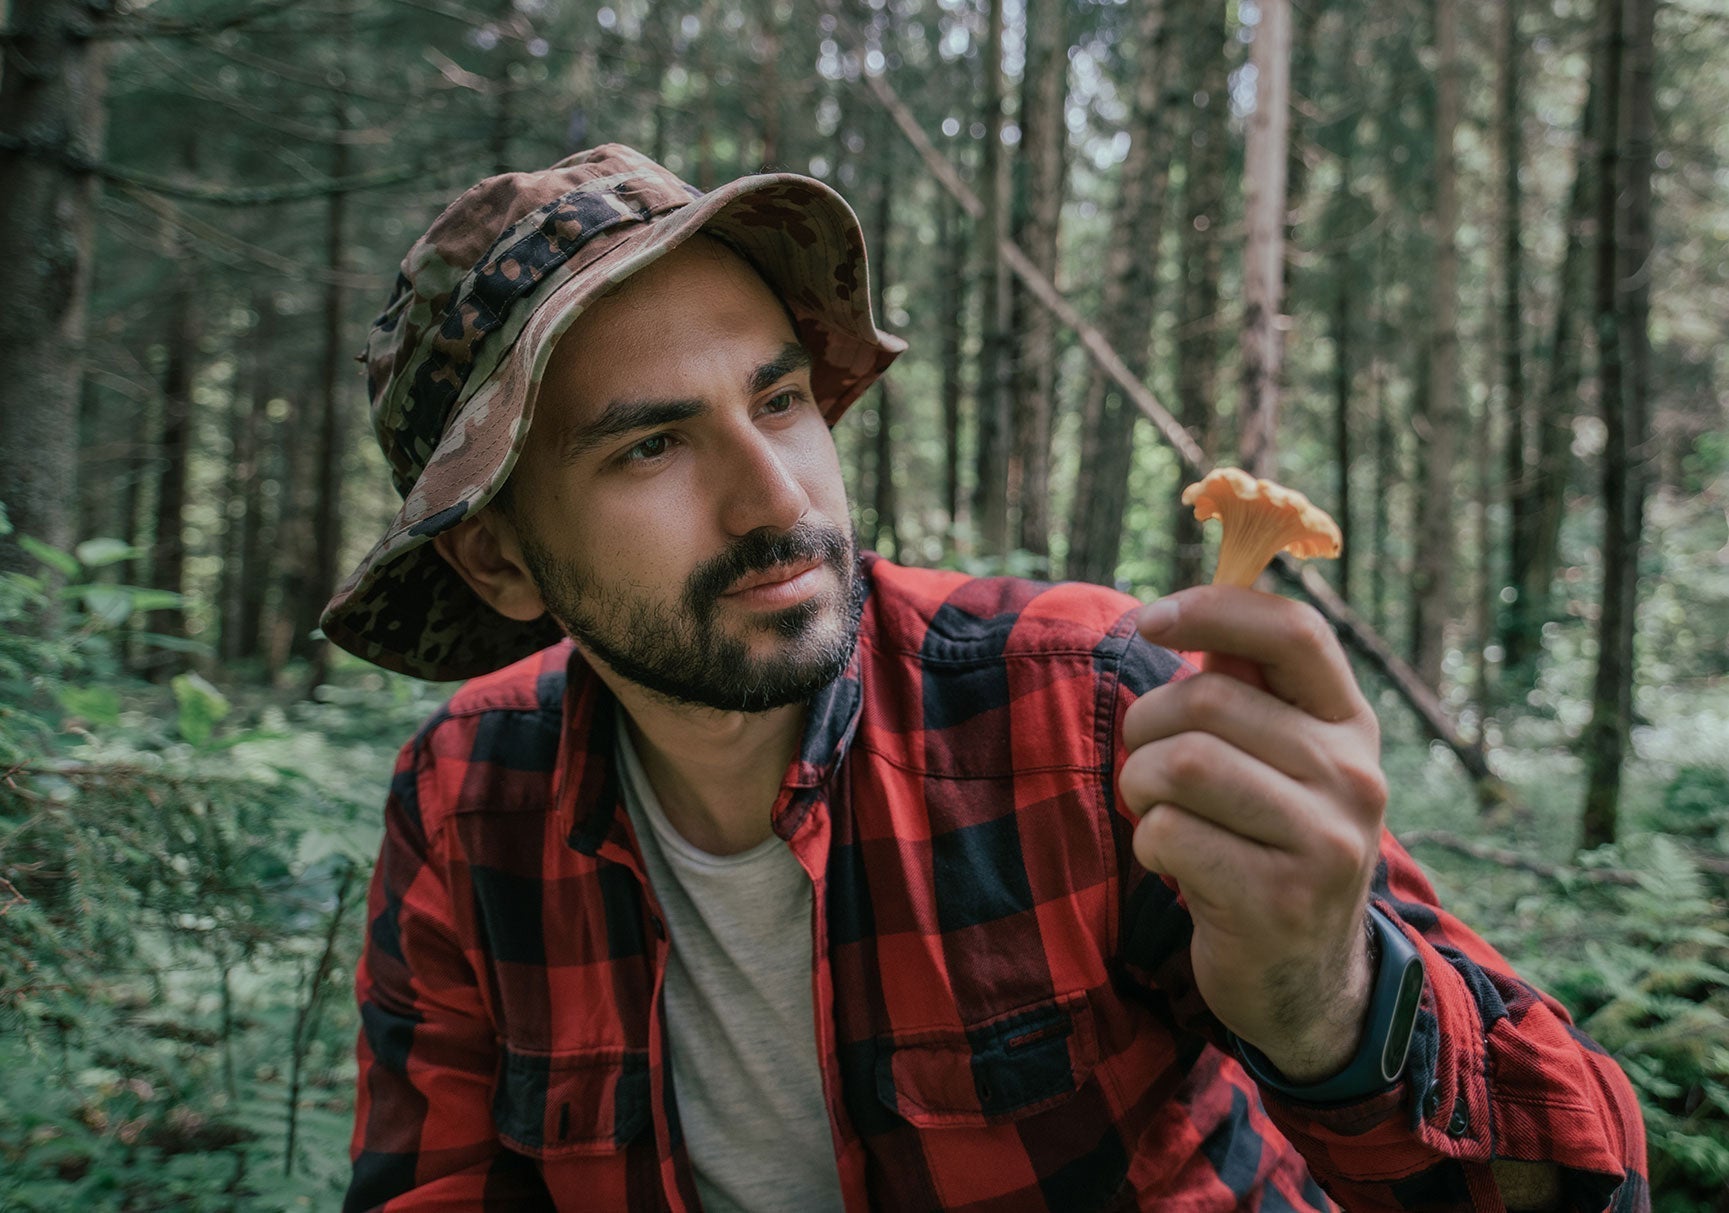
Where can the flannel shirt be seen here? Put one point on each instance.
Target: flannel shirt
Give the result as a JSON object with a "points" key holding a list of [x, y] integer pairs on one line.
{"points": [[1005, 1015]]}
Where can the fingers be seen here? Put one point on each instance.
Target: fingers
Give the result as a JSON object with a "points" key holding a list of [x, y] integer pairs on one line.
{"points": [[1266, 728], [1291, 642], [1204, 857], [1213, 780]]}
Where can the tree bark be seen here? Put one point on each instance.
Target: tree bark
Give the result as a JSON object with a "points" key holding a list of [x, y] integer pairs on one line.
{"points": [[1341, 327], [243, 572], [990, 491], [952, 305], [504, 88], [327, 508], [173, 456], [882, 221], [1264, 165], [1432, 576], [1558, 404], [1514, 626], [658, 43], [1624, 370], [767, 102], [1130, 290], [1386, 451], [1038, 205], [51, 99], [1198, 344]]}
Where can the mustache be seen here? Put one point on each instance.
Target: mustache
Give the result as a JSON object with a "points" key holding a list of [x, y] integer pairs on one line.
{"points": [[759, 551]]}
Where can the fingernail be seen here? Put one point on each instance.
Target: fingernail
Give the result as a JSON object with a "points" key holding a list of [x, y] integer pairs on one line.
{"points": [[1158, 616]]}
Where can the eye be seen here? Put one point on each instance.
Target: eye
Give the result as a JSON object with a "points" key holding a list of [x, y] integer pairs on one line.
{"points": [[785, 402], [648, 450]]}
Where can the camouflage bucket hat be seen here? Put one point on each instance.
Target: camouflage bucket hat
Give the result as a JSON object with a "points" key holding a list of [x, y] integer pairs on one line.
{"points": [[454, 363]]}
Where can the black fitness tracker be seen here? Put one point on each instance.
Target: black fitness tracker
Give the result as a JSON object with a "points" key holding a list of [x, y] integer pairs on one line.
{"points": [[1380, 1058]]}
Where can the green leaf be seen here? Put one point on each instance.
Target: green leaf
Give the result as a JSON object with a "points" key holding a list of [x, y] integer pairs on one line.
{"points": [[145, 599], [61, 562], [201, 707], [100, 705], [94, 553], [174, 644], [111, 604]]}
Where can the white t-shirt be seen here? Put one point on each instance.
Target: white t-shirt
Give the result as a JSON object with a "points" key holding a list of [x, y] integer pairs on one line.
{"points": [[739, 1016]]}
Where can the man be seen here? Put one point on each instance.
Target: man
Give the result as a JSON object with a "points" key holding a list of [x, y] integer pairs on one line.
{"points": [[767, 875]]}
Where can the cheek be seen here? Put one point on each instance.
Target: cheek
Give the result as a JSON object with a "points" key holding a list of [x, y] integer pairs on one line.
{"points": [[821, 473]]}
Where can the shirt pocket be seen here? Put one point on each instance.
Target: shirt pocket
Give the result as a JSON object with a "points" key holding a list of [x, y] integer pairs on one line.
{"points": [[993, 1072], [583, 1103]]}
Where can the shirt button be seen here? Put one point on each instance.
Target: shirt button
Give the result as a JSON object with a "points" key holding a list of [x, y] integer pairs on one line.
{"points": [[659, 928], [1432, 1100], [1461, 1122]]}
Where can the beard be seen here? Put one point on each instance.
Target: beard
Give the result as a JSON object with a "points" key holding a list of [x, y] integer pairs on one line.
{"points": [[681, 652]]}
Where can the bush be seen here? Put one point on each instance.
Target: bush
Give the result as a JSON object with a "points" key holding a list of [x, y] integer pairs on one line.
{"points": [[173, 960]]}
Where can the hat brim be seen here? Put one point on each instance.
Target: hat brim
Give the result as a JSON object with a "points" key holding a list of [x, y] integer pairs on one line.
{"points": [[405, 608]]}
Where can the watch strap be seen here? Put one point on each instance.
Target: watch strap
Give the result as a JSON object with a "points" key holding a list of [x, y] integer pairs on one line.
{"points": [[1379, 1061]]}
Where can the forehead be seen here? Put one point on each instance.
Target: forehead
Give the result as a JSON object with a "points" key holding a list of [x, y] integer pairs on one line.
{"points": [[696, 321]]}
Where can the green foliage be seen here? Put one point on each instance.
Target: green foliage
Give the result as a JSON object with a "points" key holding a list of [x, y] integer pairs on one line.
{"points": [[202, 707], [166, 889], [1696, 805], [1640, 961], [1653, 989]]}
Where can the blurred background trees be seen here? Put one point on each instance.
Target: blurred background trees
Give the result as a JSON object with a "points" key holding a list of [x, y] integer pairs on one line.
{"points": [[1461, 262], [1457, 271]]}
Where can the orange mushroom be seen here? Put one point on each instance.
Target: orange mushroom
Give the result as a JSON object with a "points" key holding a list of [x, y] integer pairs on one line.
{"points": [[1260, 520]]}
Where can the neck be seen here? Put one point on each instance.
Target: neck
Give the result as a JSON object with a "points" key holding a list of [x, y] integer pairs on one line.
{"points": [[717, 774]]}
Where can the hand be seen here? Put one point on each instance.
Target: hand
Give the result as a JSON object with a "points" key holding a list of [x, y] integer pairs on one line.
{"points": [[1266, 806]]}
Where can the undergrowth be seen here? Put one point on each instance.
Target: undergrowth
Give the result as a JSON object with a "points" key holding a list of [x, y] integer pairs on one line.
{"points": [[182, 876]]}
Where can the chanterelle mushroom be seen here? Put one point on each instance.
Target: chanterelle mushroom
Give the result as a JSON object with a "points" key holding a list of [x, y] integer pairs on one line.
{"points": [[1260, 520]]}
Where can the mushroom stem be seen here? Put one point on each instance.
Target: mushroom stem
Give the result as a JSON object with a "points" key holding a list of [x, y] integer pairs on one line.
{"points": [[1260, 519]]}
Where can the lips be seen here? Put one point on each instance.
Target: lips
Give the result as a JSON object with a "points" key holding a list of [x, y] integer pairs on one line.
{"points": [[777, 575]]}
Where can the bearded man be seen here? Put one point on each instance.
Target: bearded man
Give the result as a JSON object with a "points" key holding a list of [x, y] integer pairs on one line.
{"points": [[749, 871]]}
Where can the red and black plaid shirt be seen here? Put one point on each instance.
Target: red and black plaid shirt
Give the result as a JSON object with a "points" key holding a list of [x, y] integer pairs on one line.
{"points": [[1004, 1011]]}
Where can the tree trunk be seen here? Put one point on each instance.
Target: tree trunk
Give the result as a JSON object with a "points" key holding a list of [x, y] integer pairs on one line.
{"points": [[1514, 625], [1386, 451], [173, 455], [51, 96], [1203, 254], [882, 220], [657, 41], [1342, 422], [951, 294], [1131, 274], [1558, 404], [1439, 418], [1485, 582], [1038, 205], [1624, 361], [705, 112], [327, 508], [504, 88], [990, 490], [1264, 166], [766, 103], [243, 572]]}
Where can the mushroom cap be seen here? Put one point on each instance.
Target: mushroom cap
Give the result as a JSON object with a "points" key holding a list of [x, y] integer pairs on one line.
{"points": [[1260, 520]]}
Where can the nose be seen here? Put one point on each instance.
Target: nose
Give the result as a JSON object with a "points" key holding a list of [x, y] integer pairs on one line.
{"points": [[761, 487]]}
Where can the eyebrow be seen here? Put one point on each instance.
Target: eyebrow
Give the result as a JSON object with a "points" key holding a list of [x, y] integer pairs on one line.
{"points": [[621, 417]]}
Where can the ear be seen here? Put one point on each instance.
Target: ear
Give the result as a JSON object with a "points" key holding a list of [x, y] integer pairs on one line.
{"points": [[484, 551]]}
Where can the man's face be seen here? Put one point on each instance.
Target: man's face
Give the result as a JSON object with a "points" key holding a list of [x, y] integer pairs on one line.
{"points": [[679, 501]]}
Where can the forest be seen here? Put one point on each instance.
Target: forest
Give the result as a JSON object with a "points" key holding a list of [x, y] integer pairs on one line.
{"points": [[1457, 271]]}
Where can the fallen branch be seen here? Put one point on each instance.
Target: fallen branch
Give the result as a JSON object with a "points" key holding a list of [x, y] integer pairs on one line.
{"points": [[1351, 629], [1560, 873], [306, 1016]]}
